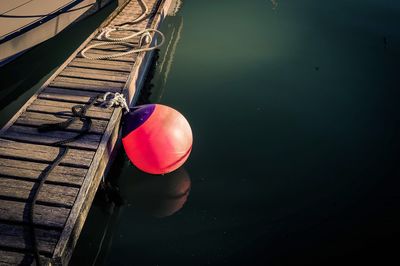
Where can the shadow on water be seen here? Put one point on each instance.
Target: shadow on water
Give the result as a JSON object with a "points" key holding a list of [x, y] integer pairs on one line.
{"points": [[160, 195]]}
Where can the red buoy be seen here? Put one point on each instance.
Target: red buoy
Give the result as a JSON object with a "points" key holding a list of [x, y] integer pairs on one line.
{"points": [[157, 139]]}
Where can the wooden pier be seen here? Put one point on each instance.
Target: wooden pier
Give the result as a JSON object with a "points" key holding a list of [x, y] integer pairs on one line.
{"points": [[66, 197]]}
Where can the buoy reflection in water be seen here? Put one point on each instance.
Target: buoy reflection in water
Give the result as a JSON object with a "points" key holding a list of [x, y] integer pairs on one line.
{"points": [[159, 195]]}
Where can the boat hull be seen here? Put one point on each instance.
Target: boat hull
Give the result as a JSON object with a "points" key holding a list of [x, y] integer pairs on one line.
{"points": [[39, 31]]}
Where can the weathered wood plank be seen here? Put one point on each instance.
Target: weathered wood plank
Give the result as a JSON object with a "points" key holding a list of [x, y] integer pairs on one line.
{"points": [[103, 52], [85, 84], [102, 64], [68, 105], [15, 258], [49, 194], [95, 53], [30, 170], [62, 111], [37, 119], [67, 95], [18, 212], [41, 153], [18, 237], [85, 73], [64, 108], [115, 47], [98, 52], [122, 76], [32, 135]]}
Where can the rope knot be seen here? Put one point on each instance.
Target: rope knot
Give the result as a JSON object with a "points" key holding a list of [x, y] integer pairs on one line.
{"points": [[104, 31], [114, 100]]}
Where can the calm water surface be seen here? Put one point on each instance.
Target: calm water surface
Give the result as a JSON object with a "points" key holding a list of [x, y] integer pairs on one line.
{"points": [[294, 110]]}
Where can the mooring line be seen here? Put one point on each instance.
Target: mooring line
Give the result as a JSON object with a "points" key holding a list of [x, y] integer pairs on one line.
{"points": [[78, 112]]}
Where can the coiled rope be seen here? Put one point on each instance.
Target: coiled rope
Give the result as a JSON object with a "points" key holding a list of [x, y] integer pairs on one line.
{"points": [[108, 100], [108, 40]]}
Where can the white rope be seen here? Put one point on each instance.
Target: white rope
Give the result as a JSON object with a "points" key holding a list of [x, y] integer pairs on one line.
{"points": [[114, 100], [145, 38]]}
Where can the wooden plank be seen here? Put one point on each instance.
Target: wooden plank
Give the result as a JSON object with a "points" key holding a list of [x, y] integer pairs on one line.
{"points": [[62, 111], [96, 53], [117, 75], [67, 95], [115, 47], [95, 74], [102, 64], [85, 84], [30, 170], [18, 212], [64, 108], [15, 258], [32, 135], [37, 119], [49, 194], [18, 237], [68, 105], [41, 153]]}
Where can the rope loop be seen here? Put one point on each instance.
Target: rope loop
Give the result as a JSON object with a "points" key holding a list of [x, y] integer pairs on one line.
{"points": [[145, 37]]}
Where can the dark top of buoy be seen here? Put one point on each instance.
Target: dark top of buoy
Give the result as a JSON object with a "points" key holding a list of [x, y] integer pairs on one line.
{"points": [[137, 117]]}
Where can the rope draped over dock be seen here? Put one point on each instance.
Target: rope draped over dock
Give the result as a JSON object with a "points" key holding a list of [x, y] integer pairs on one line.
{"points": [[108, 40], [56, 149], [78, 112]]}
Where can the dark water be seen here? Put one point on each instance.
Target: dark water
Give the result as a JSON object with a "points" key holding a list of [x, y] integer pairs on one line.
{"points": [[293, 105], [294, 110]]}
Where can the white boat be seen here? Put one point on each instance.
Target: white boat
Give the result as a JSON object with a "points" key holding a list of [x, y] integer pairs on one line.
{"points": [[26, 23]]}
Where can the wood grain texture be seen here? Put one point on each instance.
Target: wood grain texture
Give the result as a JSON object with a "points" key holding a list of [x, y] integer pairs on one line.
{"points": [[8, 258], [115, 47], [32, 135], [17, 237], [102, 64], [64, 108], [18, 212], [85, 84], [49, 194], [31, 171], [34, 119], [68, 95], [40, 153], [95, 74]]}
